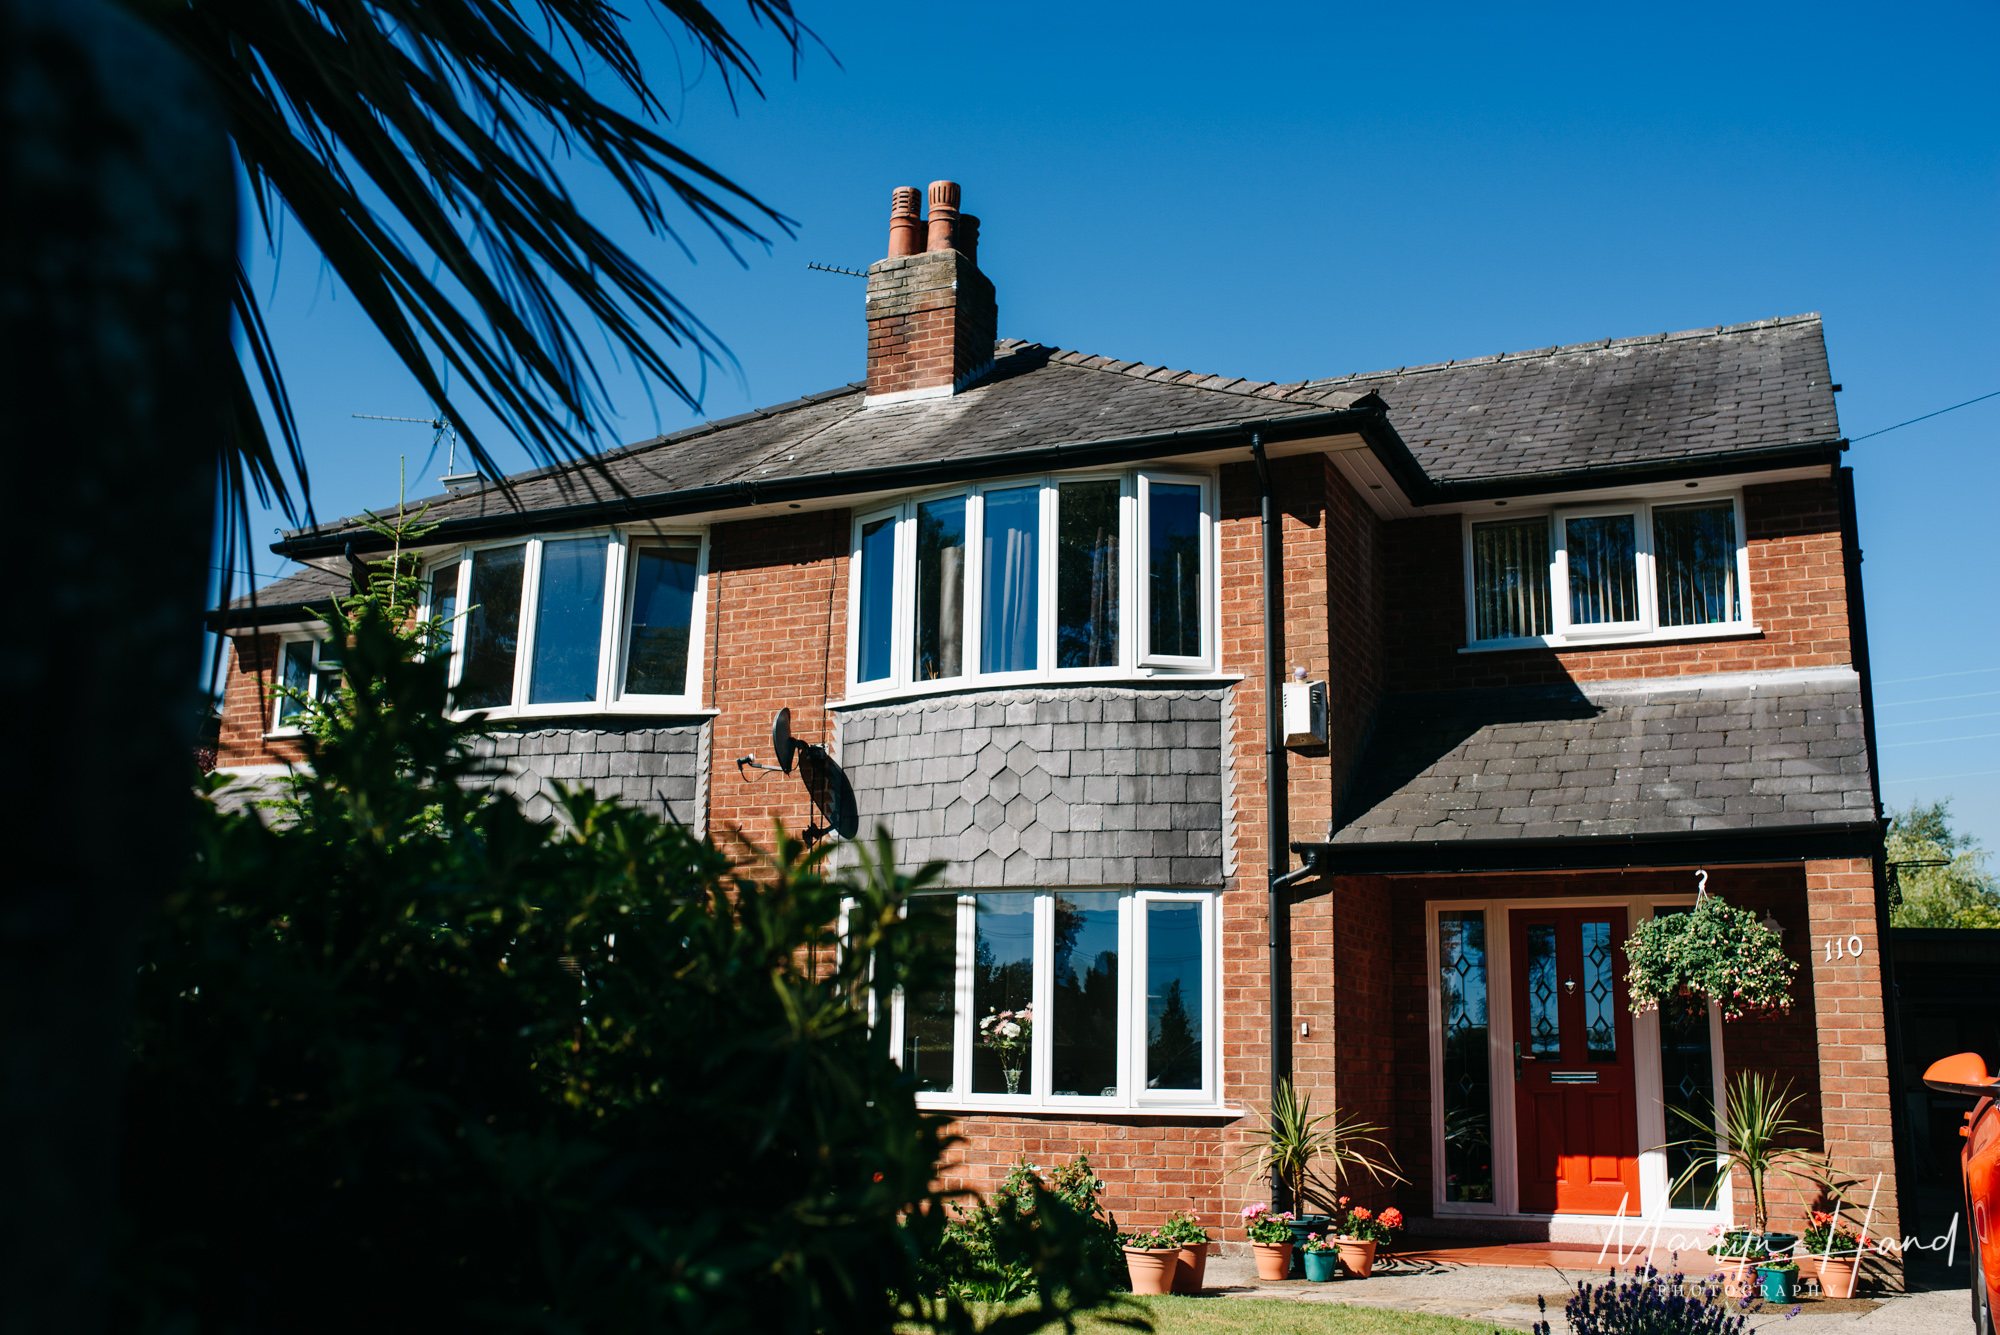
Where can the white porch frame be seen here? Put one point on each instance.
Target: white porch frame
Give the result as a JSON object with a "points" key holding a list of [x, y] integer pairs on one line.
{"points": [[1651, 1208]]}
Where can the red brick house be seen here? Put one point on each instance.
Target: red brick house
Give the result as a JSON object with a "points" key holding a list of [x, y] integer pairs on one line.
{"points": [[1569, 627]]}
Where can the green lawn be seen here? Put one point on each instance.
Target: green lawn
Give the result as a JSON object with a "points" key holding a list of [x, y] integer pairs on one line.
{"points": [[1264, 1316]]}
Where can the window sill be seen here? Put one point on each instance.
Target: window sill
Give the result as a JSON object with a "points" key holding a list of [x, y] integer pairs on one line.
{"points": [[1002, 1106], [1142, 677], [1676, 634], [580, 717]]}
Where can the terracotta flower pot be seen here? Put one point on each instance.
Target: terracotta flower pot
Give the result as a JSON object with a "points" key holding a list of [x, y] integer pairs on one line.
{"points": [[1357, 1257], [1193, 1267], [1274, 1259], [1152, 1269], [1837, 1275]]}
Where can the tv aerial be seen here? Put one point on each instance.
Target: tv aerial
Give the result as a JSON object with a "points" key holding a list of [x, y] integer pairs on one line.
{"points": [[832, 795], [442, 432]]}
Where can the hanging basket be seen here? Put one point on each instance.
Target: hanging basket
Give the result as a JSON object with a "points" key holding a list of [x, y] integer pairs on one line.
{"points": [[1682, 961]]}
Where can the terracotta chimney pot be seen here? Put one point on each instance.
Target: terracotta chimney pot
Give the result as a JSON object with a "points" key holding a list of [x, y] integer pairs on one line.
{"points": [[904, 222], [944, 215]]}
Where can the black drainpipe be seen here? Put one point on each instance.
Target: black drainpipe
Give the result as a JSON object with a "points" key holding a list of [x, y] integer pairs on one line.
{"points": [[1278, 839]]}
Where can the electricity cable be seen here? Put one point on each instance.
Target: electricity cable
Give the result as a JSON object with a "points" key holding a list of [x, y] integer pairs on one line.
{"points": [[1852, 440]]}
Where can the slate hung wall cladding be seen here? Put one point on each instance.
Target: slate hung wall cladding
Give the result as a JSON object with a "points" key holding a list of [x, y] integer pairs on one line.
{"points": [[1668, 746], [1078, 786], [662, 769]]}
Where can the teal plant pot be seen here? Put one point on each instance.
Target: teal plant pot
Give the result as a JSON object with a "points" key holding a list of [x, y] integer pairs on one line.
{"points": [[1301, 1227], [1779, 1285], [1322, 1266]]}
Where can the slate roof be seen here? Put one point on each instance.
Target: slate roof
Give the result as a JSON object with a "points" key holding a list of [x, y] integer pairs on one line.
{"points": [[1731, 752], [1664, 397], [1617, 401], [301, 587]]}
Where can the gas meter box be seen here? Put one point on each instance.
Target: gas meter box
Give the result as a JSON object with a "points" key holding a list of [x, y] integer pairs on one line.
{"points": [[1305, 714]]}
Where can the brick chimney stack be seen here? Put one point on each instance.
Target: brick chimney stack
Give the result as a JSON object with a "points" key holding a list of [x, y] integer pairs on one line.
{"points": [[931, 314]]}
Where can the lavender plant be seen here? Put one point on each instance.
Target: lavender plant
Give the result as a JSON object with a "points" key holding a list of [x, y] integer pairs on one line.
{"points": [[1649, 1303]]}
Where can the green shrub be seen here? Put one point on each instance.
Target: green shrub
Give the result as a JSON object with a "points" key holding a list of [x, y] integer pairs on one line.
{"points": [[406, 1060], [989, 1253]]}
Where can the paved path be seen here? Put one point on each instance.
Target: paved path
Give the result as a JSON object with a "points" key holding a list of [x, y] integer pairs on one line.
{"points": [[1504, 1297]]}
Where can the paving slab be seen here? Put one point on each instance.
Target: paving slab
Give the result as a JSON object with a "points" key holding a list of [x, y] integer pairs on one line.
{"points": [[1504, 1297]]}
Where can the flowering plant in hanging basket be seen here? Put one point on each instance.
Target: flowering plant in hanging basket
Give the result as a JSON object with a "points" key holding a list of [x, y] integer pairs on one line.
{"points": [[1718, 953]]}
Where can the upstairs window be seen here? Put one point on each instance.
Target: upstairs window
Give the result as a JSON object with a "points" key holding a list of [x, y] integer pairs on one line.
{"points": [[1080, 998], [1599, 573], [573, 624], [1035, 580]]}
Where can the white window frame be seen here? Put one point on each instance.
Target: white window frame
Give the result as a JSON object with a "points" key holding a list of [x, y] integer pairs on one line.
{"points": [[1647, 628], [276, 725], [1134, 662], [1642, 572], [1132, 1096], [1654, 1207], [614, 629]]}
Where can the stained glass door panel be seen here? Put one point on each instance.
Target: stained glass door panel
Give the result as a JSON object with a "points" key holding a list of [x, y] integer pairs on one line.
{"points": [[1576, 1106]]}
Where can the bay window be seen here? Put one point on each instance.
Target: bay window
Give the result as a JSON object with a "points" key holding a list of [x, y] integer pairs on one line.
{"points": [[1032, 580], [1600, 573], [1065, 998], [573, 623]]}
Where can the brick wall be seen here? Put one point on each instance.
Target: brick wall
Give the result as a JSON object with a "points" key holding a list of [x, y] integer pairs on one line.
{"points": [[1151, 1166], [247, 705], [1848, 1011], [777, 637], [1797, 597]]}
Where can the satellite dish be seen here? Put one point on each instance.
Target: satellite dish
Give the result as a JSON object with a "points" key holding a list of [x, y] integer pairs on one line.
{"points": [[831, 792], [781, 739]]}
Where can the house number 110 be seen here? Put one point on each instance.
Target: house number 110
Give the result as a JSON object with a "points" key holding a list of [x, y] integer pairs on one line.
{"points": [[1839, 949]]}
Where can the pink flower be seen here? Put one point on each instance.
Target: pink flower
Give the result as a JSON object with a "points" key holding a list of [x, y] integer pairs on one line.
{"points": [[1254, 1211]]}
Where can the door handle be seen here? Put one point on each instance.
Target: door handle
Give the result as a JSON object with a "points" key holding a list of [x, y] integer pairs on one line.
{"points": [[1517, 1061]]}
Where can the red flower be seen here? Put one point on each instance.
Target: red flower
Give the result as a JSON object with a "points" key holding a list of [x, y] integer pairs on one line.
{"points": [[1392, 1217], [1362, 1212]]}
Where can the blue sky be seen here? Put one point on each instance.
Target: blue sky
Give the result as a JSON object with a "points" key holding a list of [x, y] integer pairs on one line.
{"points": [[1281, 194]]}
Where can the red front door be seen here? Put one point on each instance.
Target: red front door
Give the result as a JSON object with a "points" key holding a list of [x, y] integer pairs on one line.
{"points": [[1575, 1106]]}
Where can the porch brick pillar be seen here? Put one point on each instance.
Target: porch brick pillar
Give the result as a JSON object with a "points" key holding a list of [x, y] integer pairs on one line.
{"points": [[1849, 1012]]}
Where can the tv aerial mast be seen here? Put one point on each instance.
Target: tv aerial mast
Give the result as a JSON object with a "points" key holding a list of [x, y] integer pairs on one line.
{"points": [[442, 432], [832, 795]]}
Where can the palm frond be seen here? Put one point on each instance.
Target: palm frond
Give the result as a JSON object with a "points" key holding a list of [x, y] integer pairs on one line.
{"points": [[1295, 1141], [417, 144]]}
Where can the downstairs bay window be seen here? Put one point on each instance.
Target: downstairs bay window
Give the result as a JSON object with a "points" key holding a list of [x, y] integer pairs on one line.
{"points": [[1072, 998], [1652, 570], [577, 623], [305, 669], [1037, 579]]}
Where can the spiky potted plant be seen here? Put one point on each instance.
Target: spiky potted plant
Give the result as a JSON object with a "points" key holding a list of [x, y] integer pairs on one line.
{"points": [[1755, 1123], [1307, 1154]]}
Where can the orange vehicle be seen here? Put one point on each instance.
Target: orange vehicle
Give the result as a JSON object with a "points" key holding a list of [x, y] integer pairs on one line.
{"points": [[1980, 1160]]}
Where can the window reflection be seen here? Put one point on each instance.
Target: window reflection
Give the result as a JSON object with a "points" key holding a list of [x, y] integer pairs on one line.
{"points": [[1173, 552], [1003, 982], [493, 629], [940, 589], [1468, 1091], [1085, 989], [569, 622], [876, 630], [1173, 995], [929, 1020], [1087, 574], [1013, 526], [663, 581]]}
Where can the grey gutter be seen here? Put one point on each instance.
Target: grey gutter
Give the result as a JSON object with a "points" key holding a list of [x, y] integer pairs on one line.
{"points": [[266, 614], [1370, 422], [1422, 491]]}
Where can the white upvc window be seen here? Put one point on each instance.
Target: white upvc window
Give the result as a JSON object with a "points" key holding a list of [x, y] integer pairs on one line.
{"points": [[1081, 576], [1066, 999], [574, 623], [1607, 572], [304, 665]]}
